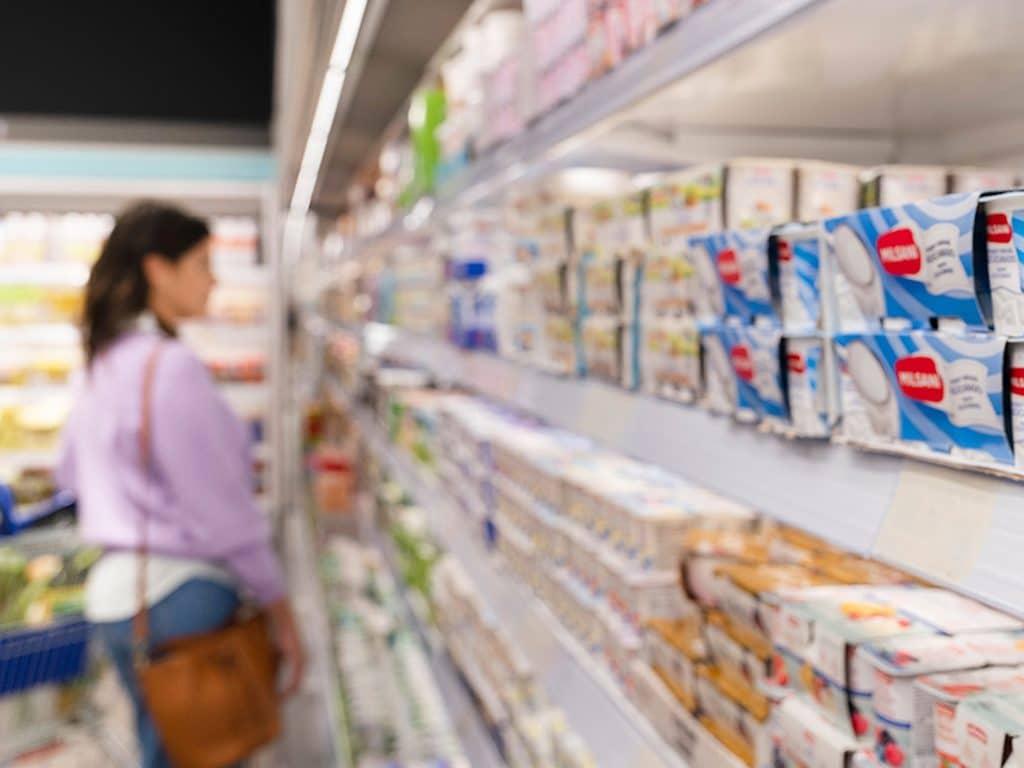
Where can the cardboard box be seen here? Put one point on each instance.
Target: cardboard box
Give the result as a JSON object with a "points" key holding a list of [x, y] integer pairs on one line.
{"points": [[914, 263], [665, 712], [704, 551], [668, 285], [739, 259], [826, 189], [939, 392], [1004, 229], [676, 650], [670, 358], [738, 651], [795, 257], [902, 184], [990, 730], [981, 179], [601, 339], [755, 367], [810, 385], [735, 714], [802, 738]]}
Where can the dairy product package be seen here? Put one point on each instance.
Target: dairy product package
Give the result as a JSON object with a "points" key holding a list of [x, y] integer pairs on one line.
{"points": [[981, 179], [704, 551], [739, 652], [676, 650], [550, 281], [802, 738], [735, 714], [557, 351], [990, 731], [708, 295], [758, 193], [913, 263], [810, 385], [903, 729], [1015, 382], [795, 268], [601, 338], [816, 634], [937, 698], [948, 612], [824, 190], [600, 288], [902, 184], [687, 203], [740, 261], [721, 392], [932, 390], [1004, 219], [756, 368], [670, 357], [669, 284], [663, 710]]}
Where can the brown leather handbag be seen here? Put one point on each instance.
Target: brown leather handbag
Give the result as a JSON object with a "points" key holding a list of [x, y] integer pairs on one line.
{"points": [[212, 696]]}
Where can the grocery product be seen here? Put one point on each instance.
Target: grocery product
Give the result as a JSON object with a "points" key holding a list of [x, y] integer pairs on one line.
{"points": [[676, 650], [990, 730], [735, 714], [739, 652], [902, 184], [740, 260], [826, 189], [670, 358], [794, 253], [1004, 227], [802, 738]]}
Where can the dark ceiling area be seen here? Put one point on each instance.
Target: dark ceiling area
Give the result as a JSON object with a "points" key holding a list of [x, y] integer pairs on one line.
{"points": [[410, 33], [197, 61]]}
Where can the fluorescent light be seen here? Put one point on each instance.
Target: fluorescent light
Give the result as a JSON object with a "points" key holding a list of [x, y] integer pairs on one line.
{"points": [[348, 33], [327, 103]]}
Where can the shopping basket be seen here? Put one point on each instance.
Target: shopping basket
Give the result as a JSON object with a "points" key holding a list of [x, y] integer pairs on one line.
{"points": [[55, 654]]}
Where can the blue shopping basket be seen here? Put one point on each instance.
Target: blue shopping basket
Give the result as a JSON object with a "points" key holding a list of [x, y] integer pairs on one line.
{"points": [[55, 654]]}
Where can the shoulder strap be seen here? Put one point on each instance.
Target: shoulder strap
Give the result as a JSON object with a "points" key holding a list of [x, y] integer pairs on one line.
{"points": [[140, 623]]}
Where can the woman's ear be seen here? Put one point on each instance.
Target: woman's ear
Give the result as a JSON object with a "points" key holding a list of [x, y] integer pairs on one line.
{"points": [[155, 269]]}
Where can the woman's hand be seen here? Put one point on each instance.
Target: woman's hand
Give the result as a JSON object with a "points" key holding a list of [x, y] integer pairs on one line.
{"points": [[289, 642]]}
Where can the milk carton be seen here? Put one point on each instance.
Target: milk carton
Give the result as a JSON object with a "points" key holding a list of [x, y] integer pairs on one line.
{"points": [[936, 391], [911, 263]]}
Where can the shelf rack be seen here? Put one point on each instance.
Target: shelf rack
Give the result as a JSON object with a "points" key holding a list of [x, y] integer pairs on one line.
{"points": [[956, 528]]}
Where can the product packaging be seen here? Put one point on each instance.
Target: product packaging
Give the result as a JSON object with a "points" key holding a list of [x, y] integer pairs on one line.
{"points": [[686, 203], [704, 551], [933, 391], [755, 367], [665, 712], [1004, 219], [668, 284], [824, 190], [903, 731], [740, 259], [914, 263], [981, 179], [558, 345], [758, 192], [735, 714], [795, 266], [901, 184], [676, 650], [738, 652], [721, 393], [811, 397], [990, 731], [670, 358], [802, 738], [937, 698]]}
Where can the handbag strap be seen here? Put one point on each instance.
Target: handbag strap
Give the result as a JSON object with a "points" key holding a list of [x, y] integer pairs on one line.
{"points": [[140, 622]]}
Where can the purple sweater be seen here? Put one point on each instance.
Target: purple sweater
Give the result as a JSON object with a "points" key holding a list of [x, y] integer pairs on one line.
{"points": [[198, 497]]}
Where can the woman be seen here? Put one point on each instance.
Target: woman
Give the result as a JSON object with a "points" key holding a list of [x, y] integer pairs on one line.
{"points": [[208, 542]]}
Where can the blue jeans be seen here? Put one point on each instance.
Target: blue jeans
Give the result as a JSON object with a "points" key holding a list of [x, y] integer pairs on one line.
{"points": [[197, 606]]}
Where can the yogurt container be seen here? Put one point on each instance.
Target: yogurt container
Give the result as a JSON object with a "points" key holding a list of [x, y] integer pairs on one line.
{"points": [[795, 257]]}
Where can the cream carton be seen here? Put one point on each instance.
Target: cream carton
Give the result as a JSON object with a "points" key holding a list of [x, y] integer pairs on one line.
{"points": [[903, 730], [937, 698], [802, 738]]}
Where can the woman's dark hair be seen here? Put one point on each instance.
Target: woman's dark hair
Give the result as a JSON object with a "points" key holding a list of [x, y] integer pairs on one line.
{"points": [[117, 291]]}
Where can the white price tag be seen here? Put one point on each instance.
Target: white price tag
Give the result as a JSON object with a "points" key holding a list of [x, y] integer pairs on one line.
{"points": [[938, 521]]}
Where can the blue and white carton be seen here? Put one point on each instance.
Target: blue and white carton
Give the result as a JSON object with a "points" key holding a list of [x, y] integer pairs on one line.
{"points": [[743, 370], [739, 260], [809, 386], [795, 261], [915, 263], [1004, 237], [935, 391]]}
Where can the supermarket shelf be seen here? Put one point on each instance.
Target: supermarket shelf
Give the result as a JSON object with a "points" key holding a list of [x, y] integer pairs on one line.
{"points": [[594, 705], [44, 273], [870, 504], [40, 334], [465, 716], [705, 35]]}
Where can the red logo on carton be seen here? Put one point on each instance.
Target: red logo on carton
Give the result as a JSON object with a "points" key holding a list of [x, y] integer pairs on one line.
{"points": [[742, 363], [919, 378], [796, 362], [785, 251], [1017, 381], [898, 252], [729, 266], [977, 733], [999, 228]]}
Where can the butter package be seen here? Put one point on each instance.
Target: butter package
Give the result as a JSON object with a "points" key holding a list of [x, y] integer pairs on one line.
{"points": [[676, 650], [903, 731], [794, 254], [802, 738], [938, 697], [816, 635], [811, 398], [915, 263], [735, 714], [670, 358], [740, 260], [937, 391], [990, 731], [738, 651], [902, 184], [1004, 228]]}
